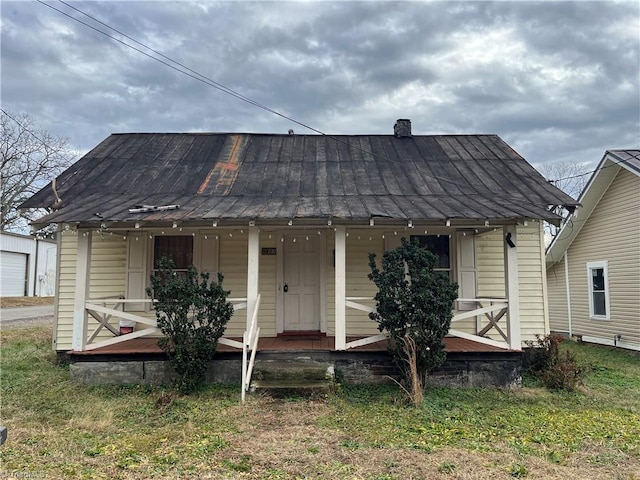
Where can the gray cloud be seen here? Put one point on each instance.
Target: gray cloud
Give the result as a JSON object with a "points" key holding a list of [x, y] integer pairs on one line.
{"points": [[557, 80]]}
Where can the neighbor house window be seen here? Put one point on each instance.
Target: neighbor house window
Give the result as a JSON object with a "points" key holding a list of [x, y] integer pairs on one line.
{"points": [[598, 290], [440, 246], [178, 248]]}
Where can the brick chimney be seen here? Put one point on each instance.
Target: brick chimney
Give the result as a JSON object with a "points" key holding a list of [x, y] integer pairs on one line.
{"points": [[402, 128]]}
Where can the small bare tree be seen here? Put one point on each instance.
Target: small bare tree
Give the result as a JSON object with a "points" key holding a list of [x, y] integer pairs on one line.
{"points": [[571, 178], [29, 159]]}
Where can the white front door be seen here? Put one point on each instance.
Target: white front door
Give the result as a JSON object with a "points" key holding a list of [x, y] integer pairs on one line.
{"points": [[301, 283]]}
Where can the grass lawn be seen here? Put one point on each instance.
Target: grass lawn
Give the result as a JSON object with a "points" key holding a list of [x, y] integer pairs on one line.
{"points": [[61, 430]]}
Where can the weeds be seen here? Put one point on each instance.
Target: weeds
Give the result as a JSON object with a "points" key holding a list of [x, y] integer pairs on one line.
{"points": [[556, 369]]}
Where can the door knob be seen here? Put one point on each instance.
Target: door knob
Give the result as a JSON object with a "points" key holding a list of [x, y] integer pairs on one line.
{"points": [[285, 288]]}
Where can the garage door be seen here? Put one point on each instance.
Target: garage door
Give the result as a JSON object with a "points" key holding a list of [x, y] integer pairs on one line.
{"points": [[13, 274]]}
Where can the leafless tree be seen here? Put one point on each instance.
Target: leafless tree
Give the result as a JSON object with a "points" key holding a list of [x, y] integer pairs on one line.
{"points": [[30, 158], [571, 178]]}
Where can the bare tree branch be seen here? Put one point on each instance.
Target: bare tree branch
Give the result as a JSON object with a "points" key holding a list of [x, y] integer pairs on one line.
{"points": [[571, 178], [30, 158]]}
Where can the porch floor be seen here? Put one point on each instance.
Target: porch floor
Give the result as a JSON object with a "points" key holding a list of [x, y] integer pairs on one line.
{"points": [[284, 344]]}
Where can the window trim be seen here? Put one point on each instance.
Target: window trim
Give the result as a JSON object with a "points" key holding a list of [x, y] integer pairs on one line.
{"points": [[605, 272], [452, 270], [205, 243]]}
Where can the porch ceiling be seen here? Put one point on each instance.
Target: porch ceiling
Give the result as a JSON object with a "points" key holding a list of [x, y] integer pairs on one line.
{"points": [[275, 177]]}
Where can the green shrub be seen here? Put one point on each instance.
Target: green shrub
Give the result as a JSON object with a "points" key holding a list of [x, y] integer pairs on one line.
{"points": [[414, 306], [556, 369], [192, 313]]}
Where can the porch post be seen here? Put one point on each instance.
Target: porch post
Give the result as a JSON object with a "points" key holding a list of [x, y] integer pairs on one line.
{"points": [[83, 276], [252, 272], [511, 285], [341, 288]]}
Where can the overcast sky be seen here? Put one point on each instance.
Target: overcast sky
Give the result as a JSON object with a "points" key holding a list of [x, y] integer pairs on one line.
{"points": [[556, 80]]}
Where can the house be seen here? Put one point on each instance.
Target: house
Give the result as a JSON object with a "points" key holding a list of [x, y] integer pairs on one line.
{"points": [[289, 220], [27, 266], [593, 264]]}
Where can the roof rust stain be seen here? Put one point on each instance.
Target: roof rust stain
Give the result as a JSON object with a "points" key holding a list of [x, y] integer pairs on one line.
{"points": [[225, 173]]}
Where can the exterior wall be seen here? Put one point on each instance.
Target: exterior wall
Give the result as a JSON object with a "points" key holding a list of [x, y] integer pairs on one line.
{"points": [[557, 288], [108, 278], [611, 234], [358, 285], [532, 281], [109, 274], [41, 261]]}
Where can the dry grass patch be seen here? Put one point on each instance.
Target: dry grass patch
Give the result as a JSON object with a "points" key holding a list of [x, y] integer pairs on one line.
{"points": [[7, 302]]}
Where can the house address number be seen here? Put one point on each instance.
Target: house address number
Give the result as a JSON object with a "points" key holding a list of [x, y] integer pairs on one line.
{"points": [[269, 251]]}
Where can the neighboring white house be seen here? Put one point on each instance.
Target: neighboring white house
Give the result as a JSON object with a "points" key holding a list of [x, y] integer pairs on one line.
{"points": [[593, 264], [27, 266]]}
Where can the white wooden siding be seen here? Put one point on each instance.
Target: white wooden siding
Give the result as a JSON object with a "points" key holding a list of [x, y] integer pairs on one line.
{"points": [[612, 234], [233, 265], [490, 275], [358, 285], [557, 293], [109, 273], [108, 279]]}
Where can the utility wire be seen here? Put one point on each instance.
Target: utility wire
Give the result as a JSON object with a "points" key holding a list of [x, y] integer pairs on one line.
{"points": [[208, 81], [216, 84], [212, 83], [45, 144], [594, 170]]}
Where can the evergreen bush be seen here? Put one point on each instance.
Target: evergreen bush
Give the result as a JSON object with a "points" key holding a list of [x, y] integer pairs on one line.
{"points": [[192, 312], [413, 302]]}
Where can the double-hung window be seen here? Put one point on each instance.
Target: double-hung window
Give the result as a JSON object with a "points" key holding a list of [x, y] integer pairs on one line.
{"points": [[178, 248], [597, 276], [440, 246]]}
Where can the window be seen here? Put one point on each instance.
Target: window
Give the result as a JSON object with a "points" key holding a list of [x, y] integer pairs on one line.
{"points": [[598, 290], [440, 246], [178, 248], [200, 250]]}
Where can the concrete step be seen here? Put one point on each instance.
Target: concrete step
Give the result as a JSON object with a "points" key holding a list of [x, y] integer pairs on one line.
{"points": [[292, 370], [281, 378], [281, 389]]}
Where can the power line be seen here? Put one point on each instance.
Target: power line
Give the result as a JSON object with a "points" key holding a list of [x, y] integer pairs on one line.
{"points": [[45, 144], [210, 82], [189, 72], [614, 163]]}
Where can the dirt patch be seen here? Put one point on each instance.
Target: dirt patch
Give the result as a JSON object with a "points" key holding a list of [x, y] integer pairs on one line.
{"points": [[6, 302]]}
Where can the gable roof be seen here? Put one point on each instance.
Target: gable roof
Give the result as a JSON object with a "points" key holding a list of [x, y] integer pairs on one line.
{"points": [[605, 172], [270, 177]]}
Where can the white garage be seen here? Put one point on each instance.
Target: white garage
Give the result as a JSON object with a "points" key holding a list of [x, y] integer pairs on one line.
{"points": [[27, 266], [13, 274]]}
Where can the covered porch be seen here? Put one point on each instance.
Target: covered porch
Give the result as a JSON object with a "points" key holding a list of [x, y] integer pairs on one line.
{"points": [[490, 321]]}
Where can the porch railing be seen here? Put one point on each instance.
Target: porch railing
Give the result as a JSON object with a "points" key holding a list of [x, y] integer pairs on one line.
{"points": [[491, 309], [250, 344], [104, 310], [352, 302], [487, 309]]}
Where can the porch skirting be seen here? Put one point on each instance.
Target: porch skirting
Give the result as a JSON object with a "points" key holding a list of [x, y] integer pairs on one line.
{"points": [[467, 365]]}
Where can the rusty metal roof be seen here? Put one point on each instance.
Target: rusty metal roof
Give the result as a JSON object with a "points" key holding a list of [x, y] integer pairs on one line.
{"points": [[274, 177]]}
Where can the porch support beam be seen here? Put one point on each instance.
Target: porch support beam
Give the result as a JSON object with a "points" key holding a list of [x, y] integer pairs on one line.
{"points": [[83, 277], [253, 272], [341, 288], [511, 288]]}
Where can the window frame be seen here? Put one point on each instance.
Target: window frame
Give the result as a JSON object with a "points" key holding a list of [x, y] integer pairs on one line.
{"points": [[452, 271], [598, 265], [140, 265], [154, 240]]}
